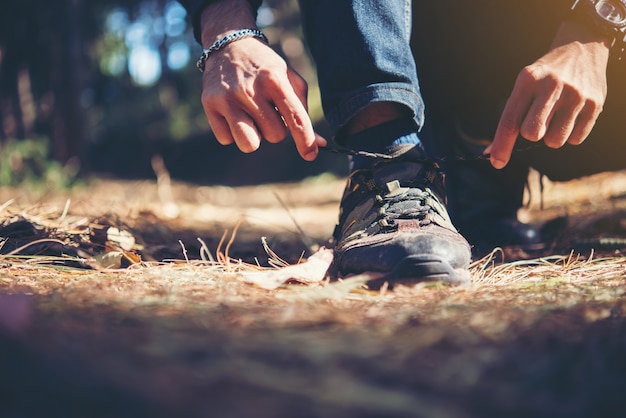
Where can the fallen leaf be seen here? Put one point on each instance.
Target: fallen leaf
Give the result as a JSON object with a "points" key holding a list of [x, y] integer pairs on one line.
{"points": [[109, 260], [311, 271], [124, 239]]}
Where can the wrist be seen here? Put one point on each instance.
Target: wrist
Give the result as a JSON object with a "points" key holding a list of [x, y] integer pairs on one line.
{"points": [[575, 31], [225, 41], [604, 18], [578, 39]]}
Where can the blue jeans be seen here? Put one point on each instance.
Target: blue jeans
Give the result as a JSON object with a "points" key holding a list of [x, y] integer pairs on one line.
{"points": [[363, 55]]}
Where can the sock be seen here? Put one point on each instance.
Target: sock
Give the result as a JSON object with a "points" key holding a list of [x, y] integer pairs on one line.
{"points": [[392, 138]]}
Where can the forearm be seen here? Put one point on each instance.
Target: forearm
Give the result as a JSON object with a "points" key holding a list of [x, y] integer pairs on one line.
{"points": [[225, 16], [196, 8]]}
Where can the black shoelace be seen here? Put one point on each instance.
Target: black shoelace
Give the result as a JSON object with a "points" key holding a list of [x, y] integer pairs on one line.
{"points": [[334, 149]]}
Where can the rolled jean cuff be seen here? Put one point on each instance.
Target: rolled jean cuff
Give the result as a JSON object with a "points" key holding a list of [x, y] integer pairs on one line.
{"points": [[339, 113]]}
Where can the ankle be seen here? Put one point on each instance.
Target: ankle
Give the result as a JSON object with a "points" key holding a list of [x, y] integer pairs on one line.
{"points": [[393, 139], [375, 114]]}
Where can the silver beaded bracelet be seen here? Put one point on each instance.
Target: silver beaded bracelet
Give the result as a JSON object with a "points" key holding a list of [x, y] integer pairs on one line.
{"points": [[231, 37]]}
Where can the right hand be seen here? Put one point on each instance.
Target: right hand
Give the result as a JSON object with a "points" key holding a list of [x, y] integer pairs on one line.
{"points": [[249, 93], [559, 97]]}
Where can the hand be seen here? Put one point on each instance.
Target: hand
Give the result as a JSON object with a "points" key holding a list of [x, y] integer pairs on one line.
{"points": [[249, 92], [558, 98]]}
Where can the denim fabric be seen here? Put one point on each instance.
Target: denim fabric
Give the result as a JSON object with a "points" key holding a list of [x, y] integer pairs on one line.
{"points": [[363, 55], [468, 54]]}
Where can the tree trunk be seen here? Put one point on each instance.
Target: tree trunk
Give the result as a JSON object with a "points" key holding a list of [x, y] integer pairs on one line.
{"points": [[67, 79]]}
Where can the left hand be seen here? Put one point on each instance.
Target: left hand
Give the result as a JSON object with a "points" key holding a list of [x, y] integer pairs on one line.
{"points": [[557, 98]]}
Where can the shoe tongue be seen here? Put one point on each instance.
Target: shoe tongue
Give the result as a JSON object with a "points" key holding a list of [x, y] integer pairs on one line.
{"points": [[404, 166]]}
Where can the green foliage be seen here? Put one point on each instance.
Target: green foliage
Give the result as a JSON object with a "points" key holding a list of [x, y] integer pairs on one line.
{"points": [[27, 162], [91, 103], [110, 53]]}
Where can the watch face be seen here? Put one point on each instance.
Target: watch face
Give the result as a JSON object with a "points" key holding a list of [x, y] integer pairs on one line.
{"points": [[613, 11]]}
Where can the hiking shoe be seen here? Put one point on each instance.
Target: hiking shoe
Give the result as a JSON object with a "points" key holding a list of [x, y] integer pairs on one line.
{"points": [[393, 221], [483, 201]]}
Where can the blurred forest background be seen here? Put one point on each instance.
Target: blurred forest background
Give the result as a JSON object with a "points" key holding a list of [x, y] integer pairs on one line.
{"points": [[100, 87]]}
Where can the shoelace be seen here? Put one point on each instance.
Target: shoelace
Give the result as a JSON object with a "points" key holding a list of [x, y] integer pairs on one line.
{"points": [[376, 155], [334, 149], [394, 207], [410, 203]]}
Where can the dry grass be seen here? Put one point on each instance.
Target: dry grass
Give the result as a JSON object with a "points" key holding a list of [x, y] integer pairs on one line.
{"points": [[78, 269], [213, 279], [191, 336]]}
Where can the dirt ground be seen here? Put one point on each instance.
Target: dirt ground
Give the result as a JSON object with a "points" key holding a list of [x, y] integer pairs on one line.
{"points": [[543, 337]]}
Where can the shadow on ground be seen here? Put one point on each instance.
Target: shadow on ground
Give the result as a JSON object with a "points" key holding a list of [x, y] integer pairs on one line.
{"points": [[389, 360]]}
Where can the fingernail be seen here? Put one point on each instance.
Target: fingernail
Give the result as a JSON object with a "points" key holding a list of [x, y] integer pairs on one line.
{"points": [[311, 156], [497, 163], [320, 140]]}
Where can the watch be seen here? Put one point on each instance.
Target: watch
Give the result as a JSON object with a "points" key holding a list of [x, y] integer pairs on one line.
{"points": [[607, 16]]}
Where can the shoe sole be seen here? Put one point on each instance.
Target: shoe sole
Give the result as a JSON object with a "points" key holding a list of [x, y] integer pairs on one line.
{"points": [[423, 268]]}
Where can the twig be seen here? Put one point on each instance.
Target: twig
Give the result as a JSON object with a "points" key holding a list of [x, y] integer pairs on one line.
{"points": [[39, 241], [205, 250], [6, 204], [274, 259], [230, 243], [218, 250], [224, 258], [308, 242], [184, 250], [65, 210]]}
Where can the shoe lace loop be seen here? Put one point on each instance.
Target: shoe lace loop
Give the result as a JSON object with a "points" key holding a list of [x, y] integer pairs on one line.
{"points": [[408, 203]]}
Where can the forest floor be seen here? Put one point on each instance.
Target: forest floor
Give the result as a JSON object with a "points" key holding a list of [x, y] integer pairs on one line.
{"points": [[159, 299]]}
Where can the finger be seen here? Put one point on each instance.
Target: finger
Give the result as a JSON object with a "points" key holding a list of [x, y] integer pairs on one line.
{"points": [[263, 113], [270, 123], [509, 126], [244, 131], [538, 117], [220, 128], [300, 87], [298, 122], [559, 130], [320, 140], [562, 123], [584, 124], [218, 123]]}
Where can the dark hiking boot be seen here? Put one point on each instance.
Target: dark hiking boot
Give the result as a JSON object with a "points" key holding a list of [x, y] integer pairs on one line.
{"points": [[484, 204], [393, 220]]}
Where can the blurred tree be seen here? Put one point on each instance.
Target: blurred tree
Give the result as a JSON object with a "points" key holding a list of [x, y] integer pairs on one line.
{"points": [[44, 68], [41, 72], [55, 57], [112, 82]]}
